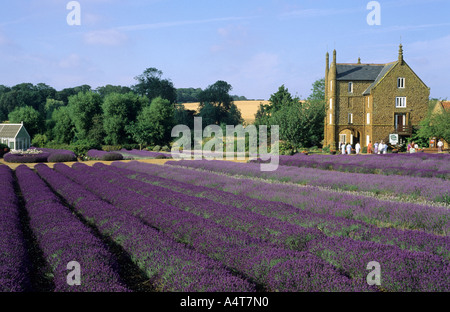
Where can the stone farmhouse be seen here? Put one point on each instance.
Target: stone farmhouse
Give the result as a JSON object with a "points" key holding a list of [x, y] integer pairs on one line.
{"points": [[368, 102]]}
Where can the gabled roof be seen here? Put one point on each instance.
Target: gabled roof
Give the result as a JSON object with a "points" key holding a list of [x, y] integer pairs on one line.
{"points": [[446, 105], [358, 72], [9, 130], [383, 72]]}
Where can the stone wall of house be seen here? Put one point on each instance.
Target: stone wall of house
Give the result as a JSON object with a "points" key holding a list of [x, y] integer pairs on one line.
{"points": [[380, 104], [385, 93]]}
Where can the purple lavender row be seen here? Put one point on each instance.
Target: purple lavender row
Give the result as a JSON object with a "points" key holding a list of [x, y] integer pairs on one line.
{"points": [[432, 220], [422, 269], [236, 250], [256, 225], [337, 226], [394, 164], [169, 265], [103, 155], [63, 238], [144, 154], [432, 189], [264, 218], [14, 264]]}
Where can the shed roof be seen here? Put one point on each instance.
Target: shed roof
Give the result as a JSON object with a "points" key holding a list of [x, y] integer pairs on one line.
{"points": [[9, 130]]}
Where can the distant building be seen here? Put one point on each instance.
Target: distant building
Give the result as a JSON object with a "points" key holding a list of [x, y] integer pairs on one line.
{"points": [[367, 102], [15, 136]]}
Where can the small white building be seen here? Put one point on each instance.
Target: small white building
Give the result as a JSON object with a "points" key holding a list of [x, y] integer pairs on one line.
{"points": [[15, 136]]}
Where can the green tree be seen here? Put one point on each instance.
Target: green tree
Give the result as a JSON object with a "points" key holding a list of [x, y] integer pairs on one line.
{"points": [[32, 120], [50, 106], [83, 107], [183, 116], [317, 91], [39, 140], [300, 122], [218, 96], [108, 89], [188, 95], [118, 111], [152, 85], [63, 129], [64, 94], [154, 123], [435, 125], [280, 99]]}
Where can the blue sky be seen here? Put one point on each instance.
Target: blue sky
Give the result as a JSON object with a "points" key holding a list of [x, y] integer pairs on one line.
{"points": [[254, 45]]}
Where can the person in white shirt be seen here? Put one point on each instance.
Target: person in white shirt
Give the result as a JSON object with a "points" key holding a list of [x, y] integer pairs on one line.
{"points": [[439, 146], [357, 148], [349, 149], [380, 147], [343, 148]]}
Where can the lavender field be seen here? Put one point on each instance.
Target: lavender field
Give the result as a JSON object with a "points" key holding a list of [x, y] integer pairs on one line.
{"points": [[213, 226]]}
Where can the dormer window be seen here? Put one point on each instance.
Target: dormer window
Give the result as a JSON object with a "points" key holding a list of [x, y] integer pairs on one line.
{"points": [[350, 87], [400, 83]]}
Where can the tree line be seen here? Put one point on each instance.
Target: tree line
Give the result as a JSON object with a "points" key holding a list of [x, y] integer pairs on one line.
{"points": [[141, 114]]}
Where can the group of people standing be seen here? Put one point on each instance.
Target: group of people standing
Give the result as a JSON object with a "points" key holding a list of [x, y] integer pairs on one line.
{"points": [[380, 148], [347, 149], [377, 148]]}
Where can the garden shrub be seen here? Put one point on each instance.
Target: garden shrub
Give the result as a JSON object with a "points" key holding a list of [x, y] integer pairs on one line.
{"points": [[81, 147], [21, 158], [111, 156], [3, 149], [165, 148], [58, 157], [110, 148], [157, 148], [130, 147]]}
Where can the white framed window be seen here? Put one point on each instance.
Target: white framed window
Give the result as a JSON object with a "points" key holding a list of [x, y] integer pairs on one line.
{"points": [[331, 104], [400, 82], [331, 118], [400, 101], [350, 87], [368, 118], [343, 138], [331, 85], [350, 118], [367, 140]]}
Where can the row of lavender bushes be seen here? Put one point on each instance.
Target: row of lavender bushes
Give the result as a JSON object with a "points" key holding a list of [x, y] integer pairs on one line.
{"points": [[272, 267], [405, 267], [330, 224], [63, 238], [43, 155], [144, 154], [420, 165], [103, 155], [169, 265], [14, 264], [431, 189]]}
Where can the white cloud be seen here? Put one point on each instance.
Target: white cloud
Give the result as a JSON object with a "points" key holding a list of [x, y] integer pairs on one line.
{"points": [[111, 37], [306, 13], [178, 23]]}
